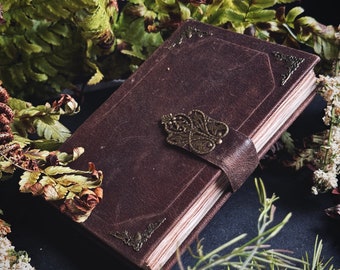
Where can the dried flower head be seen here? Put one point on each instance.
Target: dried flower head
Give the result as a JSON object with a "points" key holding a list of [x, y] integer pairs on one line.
{"points": [[328, 157]]}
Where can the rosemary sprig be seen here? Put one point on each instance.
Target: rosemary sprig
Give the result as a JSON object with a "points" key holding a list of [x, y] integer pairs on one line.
{"points": [[257, 253]]}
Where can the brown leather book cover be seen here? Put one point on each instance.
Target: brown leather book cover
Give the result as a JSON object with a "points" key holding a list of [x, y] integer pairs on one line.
{"points": [[183, 133]]}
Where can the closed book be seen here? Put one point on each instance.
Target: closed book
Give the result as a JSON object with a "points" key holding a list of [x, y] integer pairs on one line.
{"points": [[183, 133]]}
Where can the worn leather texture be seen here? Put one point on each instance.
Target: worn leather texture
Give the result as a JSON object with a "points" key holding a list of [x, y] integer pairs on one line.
{"points": [[232, 78]]}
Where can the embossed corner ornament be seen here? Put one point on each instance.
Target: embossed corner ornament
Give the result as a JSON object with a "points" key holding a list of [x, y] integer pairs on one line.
{"points": [[189, 33], [194, 131], [137, 240], [292, 63]]}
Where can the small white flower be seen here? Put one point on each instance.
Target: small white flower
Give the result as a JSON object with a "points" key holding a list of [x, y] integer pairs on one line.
{"points": [[10, 260]]}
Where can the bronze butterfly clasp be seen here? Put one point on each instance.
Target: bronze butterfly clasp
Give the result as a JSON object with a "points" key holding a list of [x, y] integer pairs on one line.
{"points": [[195, 131]]}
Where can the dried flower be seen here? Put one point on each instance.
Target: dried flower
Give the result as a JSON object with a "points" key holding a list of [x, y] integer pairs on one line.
{"points": [[80, 207], [4, 228], [70, 105], [10, 259], [328, 157]]}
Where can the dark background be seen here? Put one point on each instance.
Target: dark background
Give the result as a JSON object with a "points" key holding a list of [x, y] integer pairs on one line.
{"points": [[53, 242]]}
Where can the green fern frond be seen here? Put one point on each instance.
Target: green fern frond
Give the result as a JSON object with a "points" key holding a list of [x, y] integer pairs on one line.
{"points": [[33, 75], [50, 41], [24, 19], [25, 46], [49, 37], [288, 142], [61, 28], [42, 65], [18, 74]]}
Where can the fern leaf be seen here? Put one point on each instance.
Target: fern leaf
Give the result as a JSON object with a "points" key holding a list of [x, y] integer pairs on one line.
{"points": [[285, 1], [59, 191], [234, 16], [29, 48], [61, 29], [217, 17], [35, 76], [56, 131], [18, 104], [35, 39], [49, 145], [48, 36], [65, 158], [97, 76], [77, 5], [23, 19], [57, 61], [17, 74], [241, 7], [57, 8], [288, 142], [293, 14], [44, 66], [261, 4], [44, 12], [59, 170], [8, 48], [36, 154], [261, 15], [28, 179], [22, 141]]}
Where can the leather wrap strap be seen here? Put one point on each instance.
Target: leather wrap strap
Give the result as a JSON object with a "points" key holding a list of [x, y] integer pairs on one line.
{"points": [[236, 157]]}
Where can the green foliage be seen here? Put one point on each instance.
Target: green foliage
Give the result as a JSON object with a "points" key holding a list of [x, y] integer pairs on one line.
{"points": [[265, 19], [51, 45], [45, 46], [288, 142], [63, 182], [256, 252], [42, 120], [29, 141]]}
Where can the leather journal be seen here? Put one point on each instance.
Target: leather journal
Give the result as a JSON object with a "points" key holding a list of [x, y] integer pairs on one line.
{"points": [[183, 133]]}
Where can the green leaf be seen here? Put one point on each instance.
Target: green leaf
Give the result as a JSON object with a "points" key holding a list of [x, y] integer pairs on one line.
{"points": [[18, 104], [293, 14], [55, 170], [6, 166], [61, 29], [58, 9], [55, 131], [65, 158], [185, 11], [23, 141], [233, 16], [219, 17], [27, 47], [261, 16], [241, 7], [57, 61], [17, 74], [35, 76], [286, 1], [97, 76], [49, 37], [28, 179], [76, 180], [50, 145], [288, 142], [44, 66], [8, 48], [23, 19], [32, 36], [261, 4]]}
